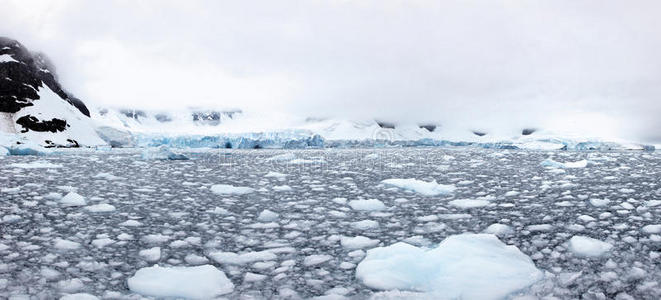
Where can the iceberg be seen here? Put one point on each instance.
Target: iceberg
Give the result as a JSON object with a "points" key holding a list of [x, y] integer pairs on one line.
{"points": [[162, 153], [464, 266]]}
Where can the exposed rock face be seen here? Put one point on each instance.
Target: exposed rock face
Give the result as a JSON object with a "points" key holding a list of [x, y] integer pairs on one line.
{"points": [[528, 131], [22, 73], [34, 105]]}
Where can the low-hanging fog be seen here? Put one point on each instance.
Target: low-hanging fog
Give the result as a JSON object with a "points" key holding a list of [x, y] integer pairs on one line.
{"points": [[589, 66]]}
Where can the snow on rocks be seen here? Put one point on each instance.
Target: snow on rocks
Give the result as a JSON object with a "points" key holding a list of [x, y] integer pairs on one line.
{"points": [[367, 205], [226, 189], [421, 187], [584, 246], [358, 242], [467, 266], [200, 282], [73, 199]]}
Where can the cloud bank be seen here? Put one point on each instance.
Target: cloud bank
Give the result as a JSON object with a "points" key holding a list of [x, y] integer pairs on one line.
{"points": [[588, 66]]}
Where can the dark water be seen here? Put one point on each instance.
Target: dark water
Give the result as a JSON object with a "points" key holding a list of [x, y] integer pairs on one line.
{"points": [[177, 212]]}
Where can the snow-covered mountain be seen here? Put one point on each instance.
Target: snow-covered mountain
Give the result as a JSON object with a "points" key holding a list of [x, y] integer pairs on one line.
{"points": [[196, 127], [33, 105]]}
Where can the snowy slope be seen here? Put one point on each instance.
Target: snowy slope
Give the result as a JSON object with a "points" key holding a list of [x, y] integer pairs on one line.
{"points": [[34, 107]]}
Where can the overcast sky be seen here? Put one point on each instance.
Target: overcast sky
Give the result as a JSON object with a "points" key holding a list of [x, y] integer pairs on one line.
{"points": [[594, 65]]}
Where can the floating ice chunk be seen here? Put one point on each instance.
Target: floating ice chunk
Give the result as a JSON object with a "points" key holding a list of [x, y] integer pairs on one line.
{"points": [[225, 189], [499, 229], [316, 259], [102, 242], [10, 218], [107, 176], [4, 151], [253, 277], [652, 228], [540, 227], [358, 242], [13, 190], [156, 238], [549, 163], [588, 247], [39, 164], [653, 203], [103, 207], [365, 224], [79, 296], [201, 282], [53, 196], [599, 202], [340, 201], [195, 259], [275, 175], [282, 188], [465, 266], [420, 187], [130, 223], [241, 259], [267, 216], [469, 203], [151, 254], [367, 205], [65, 244], [73, 199], [162, 153], [282, 157]]}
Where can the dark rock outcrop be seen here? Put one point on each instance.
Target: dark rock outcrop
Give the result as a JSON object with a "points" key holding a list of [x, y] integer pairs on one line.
{"points": [[32, 123], [21, 78], [528, 131]]}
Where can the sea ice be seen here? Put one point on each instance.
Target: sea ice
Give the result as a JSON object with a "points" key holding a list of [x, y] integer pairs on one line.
{"points": [[367, 205], [469, 203], [358, 242], [588, 247], [465, 266], [200, 282], [73, 199], [420, 187], [225, 189]]}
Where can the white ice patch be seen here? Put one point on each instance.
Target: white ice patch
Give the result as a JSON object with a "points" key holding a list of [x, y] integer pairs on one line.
{"points": [[316, 259], [103, 207], [358, 242], [275, 175], [267, 216], [282, 188], [367, 205], [201, 282], [588, 247], [39, 164], [549, 163], [469, 203], [652, 228], [73, 199], [65, 244], [226, 189], [499, 229], [420, 187], [151, 254], [241, 259], [465, 266]]}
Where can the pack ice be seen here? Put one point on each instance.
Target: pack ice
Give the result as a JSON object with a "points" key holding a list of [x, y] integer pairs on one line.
{"points": [[464, 266]]}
